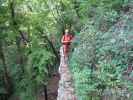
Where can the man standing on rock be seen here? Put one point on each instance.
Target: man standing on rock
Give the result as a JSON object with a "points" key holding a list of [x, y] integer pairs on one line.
{"points": [[66, 41]]}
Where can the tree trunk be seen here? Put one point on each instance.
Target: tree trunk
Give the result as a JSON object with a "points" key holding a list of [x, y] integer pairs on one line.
{"points": [[53, 48], [6, 76], [20, 57], [45, 92], [51, 45]]}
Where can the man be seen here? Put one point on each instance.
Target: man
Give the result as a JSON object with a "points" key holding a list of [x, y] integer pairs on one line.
{"points": [[66, 41]]}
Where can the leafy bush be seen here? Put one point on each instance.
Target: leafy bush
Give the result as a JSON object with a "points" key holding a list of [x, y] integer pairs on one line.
{"points": [[100, 59]]}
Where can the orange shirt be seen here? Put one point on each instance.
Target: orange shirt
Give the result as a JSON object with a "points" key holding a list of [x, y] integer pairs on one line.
{"points": [[67, 38]]}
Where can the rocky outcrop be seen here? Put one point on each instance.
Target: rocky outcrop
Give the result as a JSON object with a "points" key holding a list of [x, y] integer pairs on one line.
{"points": [[66, 89]]}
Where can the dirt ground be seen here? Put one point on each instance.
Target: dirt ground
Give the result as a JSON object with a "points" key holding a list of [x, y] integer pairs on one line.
{"points": [[52, 88]]}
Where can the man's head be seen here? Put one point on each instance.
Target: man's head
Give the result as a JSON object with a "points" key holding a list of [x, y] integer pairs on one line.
{"points": [[67, 31]]}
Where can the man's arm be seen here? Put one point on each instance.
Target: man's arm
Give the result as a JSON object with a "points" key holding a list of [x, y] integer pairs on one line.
{"points": [[66, 41], [72, 38], [62, 40]]}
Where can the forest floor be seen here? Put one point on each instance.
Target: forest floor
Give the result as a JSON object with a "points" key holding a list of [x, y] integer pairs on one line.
{"points": [[52, 88]]}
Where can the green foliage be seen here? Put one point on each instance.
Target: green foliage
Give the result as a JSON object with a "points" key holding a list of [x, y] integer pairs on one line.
{"points": [[101, 57], [28, 56], [27, 27]]}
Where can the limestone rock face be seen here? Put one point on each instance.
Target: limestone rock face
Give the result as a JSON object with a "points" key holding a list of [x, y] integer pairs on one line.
{"points": [[66, 89]]}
